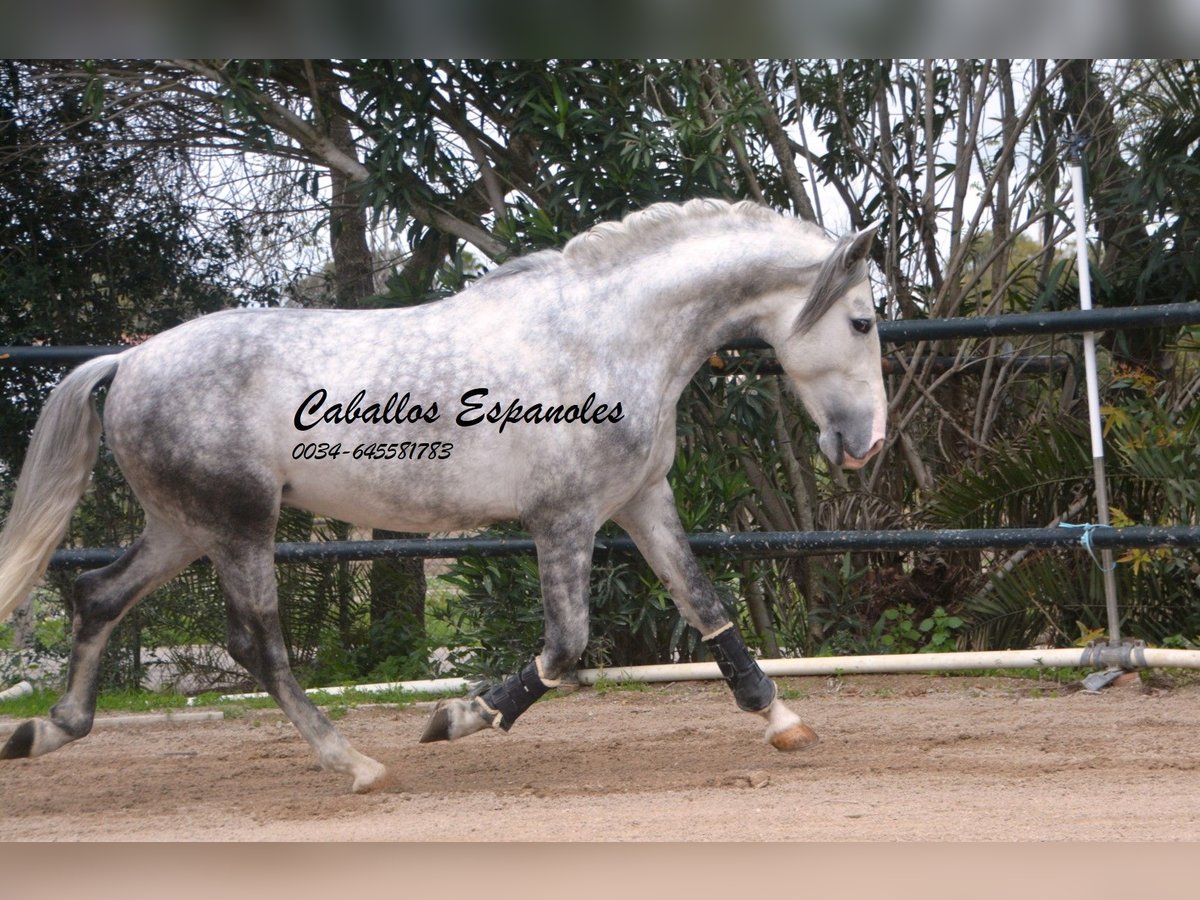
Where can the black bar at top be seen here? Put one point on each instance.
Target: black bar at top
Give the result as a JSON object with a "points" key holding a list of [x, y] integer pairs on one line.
{"points": [[1074, 321], [899, 331]]}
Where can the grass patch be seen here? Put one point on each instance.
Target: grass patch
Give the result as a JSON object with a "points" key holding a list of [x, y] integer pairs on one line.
{"points": [[40, 702], [213, 699], [36, 704], [1034, 673], [607, 686], [140, 701]]}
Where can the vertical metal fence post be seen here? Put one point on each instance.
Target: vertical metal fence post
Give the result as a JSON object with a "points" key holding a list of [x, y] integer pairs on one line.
{"points": [[1093, 388]]}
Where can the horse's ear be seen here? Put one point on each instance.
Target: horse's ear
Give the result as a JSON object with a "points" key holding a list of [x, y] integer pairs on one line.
{"points": [[858, 248]]}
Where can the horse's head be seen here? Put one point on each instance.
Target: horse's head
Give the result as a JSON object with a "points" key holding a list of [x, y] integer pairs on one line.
{"points": [[830, 351]]}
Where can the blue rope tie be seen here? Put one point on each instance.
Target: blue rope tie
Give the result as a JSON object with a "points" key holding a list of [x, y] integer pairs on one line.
{"points": [[1086, 540]]}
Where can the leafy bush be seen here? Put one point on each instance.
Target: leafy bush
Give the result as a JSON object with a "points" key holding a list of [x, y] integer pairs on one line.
{"points": [[1054, 596]]}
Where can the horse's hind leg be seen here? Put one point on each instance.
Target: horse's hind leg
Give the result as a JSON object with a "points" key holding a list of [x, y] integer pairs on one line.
{"points": [[564, 562], [247, 576], [101, 598], [652, 520]]}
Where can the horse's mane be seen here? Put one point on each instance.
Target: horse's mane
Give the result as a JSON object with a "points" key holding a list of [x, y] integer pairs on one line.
{"points": [[663, 222], [653, 226]]}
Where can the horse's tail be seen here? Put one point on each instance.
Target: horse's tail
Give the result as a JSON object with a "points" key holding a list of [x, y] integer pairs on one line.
{"points": [[58, 467]]}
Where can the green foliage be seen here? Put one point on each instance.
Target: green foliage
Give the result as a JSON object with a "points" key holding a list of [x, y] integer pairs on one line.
{"points": [[839, 618], [43, 659], [1160, 187], [97, 245], [896, 631], [1057, 595], [496, 613], [606, 686], [859, 612], [1021, 484]]}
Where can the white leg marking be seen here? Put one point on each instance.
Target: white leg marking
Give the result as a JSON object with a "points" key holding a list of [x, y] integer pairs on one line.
{"points": [[368, 774], [47, 737], [785, 731], [453, 719], [541, 674], [713, 634]]}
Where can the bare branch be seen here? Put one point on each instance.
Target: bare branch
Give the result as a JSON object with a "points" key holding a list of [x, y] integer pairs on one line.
{"points": [[324, 150], [279, 116], [780, 144]]}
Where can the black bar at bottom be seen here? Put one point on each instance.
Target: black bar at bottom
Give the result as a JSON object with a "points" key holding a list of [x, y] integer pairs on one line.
{"points": [[765, 544]]}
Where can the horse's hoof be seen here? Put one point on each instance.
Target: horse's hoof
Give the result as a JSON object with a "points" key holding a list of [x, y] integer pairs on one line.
{"points": [[374, 777], [796, 737], [20, 743], [438, 726], [453, 719]]}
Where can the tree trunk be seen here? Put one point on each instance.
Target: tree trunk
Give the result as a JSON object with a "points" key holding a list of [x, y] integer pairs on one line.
{"points": [[397, 585], [22, 624]]}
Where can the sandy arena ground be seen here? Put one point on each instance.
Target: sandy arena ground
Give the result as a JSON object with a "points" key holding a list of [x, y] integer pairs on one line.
{"points": [[902, 758]]}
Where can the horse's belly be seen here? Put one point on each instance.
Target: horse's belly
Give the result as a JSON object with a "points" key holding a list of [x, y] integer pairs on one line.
{"points": [[425, 500]]}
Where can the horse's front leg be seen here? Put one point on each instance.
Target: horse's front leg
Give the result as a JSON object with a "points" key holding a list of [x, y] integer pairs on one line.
{"points": [[564, 562], [652, 520]]}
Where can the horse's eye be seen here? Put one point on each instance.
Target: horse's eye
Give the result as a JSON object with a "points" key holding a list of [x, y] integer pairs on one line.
{"points": [[862, 326]]}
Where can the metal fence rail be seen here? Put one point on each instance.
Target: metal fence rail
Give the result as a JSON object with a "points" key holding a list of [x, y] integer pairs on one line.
{"points": [[892, 332], [760, 545]]}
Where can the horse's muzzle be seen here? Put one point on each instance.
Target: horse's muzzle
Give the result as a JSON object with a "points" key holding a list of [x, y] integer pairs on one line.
{"points": [[856, 462]]}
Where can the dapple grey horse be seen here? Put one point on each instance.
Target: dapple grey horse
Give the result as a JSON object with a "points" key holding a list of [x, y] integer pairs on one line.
{"points": [[545, 392]]}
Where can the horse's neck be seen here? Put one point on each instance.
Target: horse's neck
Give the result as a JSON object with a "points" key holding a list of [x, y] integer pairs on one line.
{"points": [[685, 301]]}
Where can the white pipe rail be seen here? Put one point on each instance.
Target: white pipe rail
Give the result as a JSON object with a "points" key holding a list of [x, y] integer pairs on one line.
{"points": [[20, 689], [1125, 656], [1084, 657]]}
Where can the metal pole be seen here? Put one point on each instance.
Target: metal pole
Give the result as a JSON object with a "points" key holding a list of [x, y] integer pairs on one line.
{"points": [[1093, 389], [896, 331], [736, 545]]}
